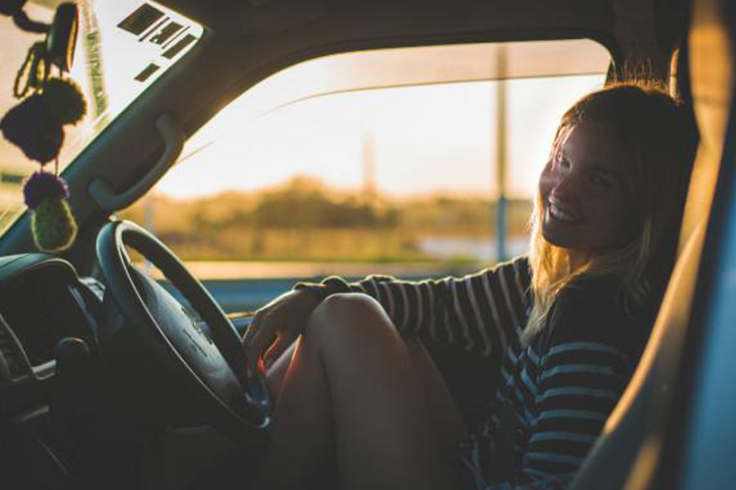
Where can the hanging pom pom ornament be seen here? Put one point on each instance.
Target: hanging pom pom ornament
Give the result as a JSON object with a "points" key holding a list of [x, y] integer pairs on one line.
{"points": [[52, 224], [35, 126], [41, 185], [34, 71], [65, 100]]}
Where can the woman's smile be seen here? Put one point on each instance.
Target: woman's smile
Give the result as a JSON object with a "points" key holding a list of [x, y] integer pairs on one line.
{"points": [[558, 212], [585, 203]]}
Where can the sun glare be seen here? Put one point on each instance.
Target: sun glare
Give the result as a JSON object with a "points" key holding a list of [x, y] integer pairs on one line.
{"points": [[410, 140]]}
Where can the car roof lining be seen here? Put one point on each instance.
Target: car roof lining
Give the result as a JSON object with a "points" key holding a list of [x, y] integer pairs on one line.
{"points": [[263, 17]]}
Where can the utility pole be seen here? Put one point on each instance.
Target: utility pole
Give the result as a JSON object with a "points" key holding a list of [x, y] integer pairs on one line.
{"points": [[369, 167], [501, 206]]}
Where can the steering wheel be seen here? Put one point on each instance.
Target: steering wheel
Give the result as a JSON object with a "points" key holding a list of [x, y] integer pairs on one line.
{"points": [[156, 343]]}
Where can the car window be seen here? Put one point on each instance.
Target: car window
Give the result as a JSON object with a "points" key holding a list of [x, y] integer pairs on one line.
{"points": [[385, 161], [122, 48]]}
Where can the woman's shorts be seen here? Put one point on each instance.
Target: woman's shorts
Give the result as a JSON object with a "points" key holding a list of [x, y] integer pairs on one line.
{"points": [[473, 461]]}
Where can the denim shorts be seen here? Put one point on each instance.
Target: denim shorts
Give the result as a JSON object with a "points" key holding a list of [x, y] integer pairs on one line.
{"points": [[473, 462]]}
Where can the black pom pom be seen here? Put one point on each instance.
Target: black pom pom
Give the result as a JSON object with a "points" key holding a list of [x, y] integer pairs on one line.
{"points": [[34, 128], [41, 185], [66, 100]]}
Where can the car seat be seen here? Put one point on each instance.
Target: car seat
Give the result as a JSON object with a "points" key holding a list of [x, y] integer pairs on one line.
{"points": [[635, 444]]}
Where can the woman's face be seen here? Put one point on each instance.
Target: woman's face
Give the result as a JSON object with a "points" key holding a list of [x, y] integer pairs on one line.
{"points": [[586, 205]]}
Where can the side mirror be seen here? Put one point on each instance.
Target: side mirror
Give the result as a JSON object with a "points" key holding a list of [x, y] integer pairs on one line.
{"points": [[61, 40]]}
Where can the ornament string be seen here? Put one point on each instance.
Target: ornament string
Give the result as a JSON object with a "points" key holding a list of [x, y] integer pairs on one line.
{"points": [[34, 71]]}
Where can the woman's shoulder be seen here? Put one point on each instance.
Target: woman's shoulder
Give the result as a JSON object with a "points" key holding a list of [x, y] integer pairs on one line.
{"points": [[591, 309], [603, 291]]}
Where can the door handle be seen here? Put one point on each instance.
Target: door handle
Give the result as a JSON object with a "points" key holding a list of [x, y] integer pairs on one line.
{"points": [[171, 132]]}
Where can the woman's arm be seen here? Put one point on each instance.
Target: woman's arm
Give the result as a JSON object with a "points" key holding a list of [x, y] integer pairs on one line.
{"points": [[480, 312]]}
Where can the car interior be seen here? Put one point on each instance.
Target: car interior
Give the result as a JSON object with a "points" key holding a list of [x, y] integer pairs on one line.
{"points": [[106, 381]]}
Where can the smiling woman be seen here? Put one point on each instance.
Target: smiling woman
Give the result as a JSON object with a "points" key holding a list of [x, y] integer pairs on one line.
{"points": [[595, 212], [567, 323]]}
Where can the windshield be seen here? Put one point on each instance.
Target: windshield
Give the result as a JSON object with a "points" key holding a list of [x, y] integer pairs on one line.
{"points": [[122, 47]]}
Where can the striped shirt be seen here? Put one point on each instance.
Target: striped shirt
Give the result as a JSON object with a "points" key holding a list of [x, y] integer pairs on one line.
{"points": [[560, 388]]}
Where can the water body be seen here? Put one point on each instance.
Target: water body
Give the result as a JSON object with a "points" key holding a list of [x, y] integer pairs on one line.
{"points": [[472, 248]]}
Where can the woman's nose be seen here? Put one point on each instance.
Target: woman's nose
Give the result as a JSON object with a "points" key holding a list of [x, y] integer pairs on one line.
{"points": [[566, 187]]}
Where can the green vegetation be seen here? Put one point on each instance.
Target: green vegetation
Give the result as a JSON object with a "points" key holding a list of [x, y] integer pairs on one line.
{"points": [[305, 220]]}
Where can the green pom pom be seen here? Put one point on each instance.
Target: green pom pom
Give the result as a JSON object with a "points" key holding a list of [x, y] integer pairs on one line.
{"points": [[65, 100], [53, 225]]}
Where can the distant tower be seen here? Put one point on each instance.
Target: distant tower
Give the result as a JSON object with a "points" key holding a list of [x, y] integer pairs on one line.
{"points": [[369, 168]]}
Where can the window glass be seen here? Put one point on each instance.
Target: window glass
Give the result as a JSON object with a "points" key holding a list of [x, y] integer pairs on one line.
{"points": [[374, 162], [123, 46]]}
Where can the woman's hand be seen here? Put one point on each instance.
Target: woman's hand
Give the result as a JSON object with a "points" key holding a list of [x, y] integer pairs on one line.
{"points": [[284, 318]]}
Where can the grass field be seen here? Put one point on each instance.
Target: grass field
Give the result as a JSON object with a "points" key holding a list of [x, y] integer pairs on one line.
{"points": [[308, 222]]}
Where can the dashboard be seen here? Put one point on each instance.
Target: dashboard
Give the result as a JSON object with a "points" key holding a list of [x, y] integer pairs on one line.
{"points": [[42, 301], [66, 419]]}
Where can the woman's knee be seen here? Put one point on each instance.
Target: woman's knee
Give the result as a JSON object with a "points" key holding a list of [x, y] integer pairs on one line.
{"points": [[347, 308], [350, 316]]}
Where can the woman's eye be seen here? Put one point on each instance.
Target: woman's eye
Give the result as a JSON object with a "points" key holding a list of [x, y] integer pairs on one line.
{"points": [[602, 181], [562, 163]]}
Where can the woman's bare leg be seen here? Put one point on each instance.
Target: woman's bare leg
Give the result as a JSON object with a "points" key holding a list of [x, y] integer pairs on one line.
{"points": [[275, 374], [301, 433], [354, 384], [440, 405]]}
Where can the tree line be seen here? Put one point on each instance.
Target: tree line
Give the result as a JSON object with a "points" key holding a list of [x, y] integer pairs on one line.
{"points": [[304, 219]]}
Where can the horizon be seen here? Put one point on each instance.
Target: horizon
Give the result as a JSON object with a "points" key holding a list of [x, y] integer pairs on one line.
{"points": [[335, 191]]}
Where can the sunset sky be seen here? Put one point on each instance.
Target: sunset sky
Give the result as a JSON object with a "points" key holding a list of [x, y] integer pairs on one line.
{"points": [[437, 138]]}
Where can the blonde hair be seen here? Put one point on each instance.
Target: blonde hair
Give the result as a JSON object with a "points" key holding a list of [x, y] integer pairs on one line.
{"points": [[659, 140]]}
